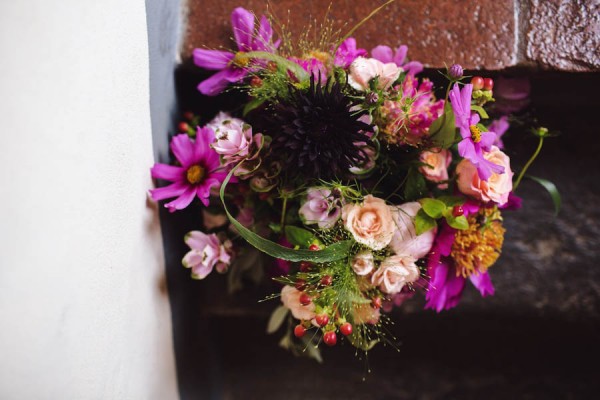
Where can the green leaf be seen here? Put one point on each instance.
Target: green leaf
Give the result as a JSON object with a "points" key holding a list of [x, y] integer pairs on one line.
{"points": [[552, 190], [433, 207], [443, 130], [415, 185], [457, 222], [312, 350], [277, 318], [451, 201], [423, 222], [361, 342], [252, 105], [299, 236], [480, 110], [336, 251]]}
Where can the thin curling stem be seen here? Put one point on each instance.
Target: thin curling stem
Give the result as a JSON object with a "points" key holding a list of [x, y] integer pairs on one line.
{"points": [[533, 157]]}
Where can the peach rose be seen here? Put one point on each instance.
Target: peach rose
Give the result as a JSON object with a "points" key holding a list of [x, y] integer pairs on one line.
{"points": [[395, 272], [370, 223], [363, 263], [290, 297], [363, 70], [436, 169], [496, 188], [405, 241]]}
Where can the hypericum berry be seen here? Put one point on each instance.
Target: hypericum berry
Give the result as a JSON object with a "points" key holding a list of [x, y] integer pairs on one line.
{"points": [[299, 331], [305, 266], [300, 284], [376, 302], [314, 247], [477, 82], [256, 81], [346, 328], [488, 83], [457, 211], [305, 299], [183, 127], [326, 280], [188, 115], [330, 338], [322, 319]]}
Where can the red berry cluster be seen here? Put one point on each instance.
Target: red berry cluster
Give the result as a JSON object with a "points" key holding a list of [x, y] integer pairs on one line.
{"points": [[480, 83]]}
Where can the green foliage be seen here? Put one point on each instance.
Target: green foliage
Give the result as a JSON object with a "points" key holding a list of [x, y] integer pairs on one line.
{"points": [[423, 222], [482, 113], [443, 130], [299, 236], [415, 185], [551, 189]]}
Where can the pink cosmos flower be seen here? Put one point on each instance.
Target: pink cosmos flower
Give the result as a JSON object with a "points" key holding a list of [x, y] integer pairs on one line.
{"points": [[347, 53], [499, 126], [320, 208], [233, 67], [206, 253], [474, 141], [385, 54], [199, 172]]}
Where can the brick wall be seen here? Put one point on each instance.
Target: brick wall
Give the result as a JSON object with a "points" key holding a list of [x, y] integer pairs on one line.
{"points": [[479, 34]]}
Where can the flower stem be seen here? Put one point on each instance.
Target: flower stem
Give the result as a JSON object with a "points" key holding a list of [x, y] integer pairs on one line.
{"points": [[283, 210], [533, 157]]}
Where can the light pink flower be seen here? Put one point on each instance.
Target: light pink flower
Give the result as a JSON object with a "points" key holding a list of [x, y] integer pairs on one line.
{"points": [[363, 263], [436, 169], [206, 253], [234, 138], [290, 297], [370, 223], [395, 272], [496, 188], [320, 208], [405, 240], [363, 70]]}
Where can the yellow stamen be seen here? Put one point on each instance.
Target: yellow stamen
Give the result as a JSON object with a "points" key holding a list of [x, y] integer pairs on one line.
{"points": [[475, 133], [319, 55], [241, 59], [478, 247], [195, 174]]}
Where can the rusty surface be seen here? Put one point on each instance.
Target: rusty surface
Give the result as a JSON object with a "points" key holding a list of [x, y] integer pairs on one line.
{"points": [[479, 34]]}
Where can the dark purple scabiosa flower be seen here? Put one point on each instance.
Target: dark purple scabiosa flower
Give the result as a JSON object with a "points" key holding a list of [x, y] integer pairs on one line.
{"points": [[318, 132]]}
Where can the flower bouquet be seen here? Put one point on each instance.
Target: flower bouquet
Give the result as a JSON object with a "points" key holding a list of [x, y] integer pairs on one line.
{"points": [[346, 169]]}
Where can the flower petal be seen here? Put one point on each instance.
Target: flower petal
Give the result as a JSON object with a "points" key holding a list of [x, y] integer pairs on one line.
{"points": [[212, 59], [382, 53], [167, 172], [182, 201], [183, 149], [242, 22], [265, 34], [466, 149], [400, 55], [168, 192], [483, 283], [487, 140], [413, 67], [215, 84]]}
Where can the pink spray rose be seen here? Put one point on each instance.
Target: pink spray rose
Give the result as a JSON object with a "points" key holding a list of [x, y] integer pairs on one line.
{"points": [[290, 297], [320, 207], [363, 263], [436, 169], [395, 272], [370, 223], [496, 188], [206, 253], [234, 139], [405, 241], [363, 70]]}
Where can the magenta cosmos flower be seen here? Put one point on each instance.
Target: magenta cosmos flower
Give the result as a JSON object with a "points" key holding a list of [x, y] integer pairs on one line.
{"points": [[233, 67], [385, 55], [199, 172], [474, 142]]}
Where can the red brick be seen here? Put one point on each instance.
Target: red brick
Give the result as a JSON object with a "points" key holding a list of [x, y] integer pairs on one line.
{"points": [[564, 34], [474, 33]]}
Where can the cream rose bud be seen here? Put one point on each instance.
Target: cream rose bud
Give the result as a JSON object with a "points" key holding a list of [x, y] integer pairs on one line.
{"points": [[290, 297], [436, 169], [370, 223], [395, 272], [363, 70], [405, 241], [363, 263], [496, 188]]}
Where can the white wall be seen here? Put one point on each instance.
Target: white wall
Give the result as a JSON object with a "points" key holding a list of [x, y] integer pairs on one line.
{"points": [[83, 309]]}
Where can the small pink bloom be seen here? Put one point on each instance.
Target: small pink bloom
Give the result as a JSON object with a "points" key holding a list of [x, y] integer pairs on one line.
{"points": [[320, 208], [290, 297], [234, 139], [363, 70], [496, 188], [395, 272], [370, 223], [363, 263], [206, 253], [405, 240], [436, 169]]}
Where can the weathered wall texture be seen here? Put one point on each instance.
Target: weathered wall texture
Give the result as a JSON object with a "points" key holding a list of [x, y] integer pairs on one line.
{"points": [[83, 306], [479, 34]]}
